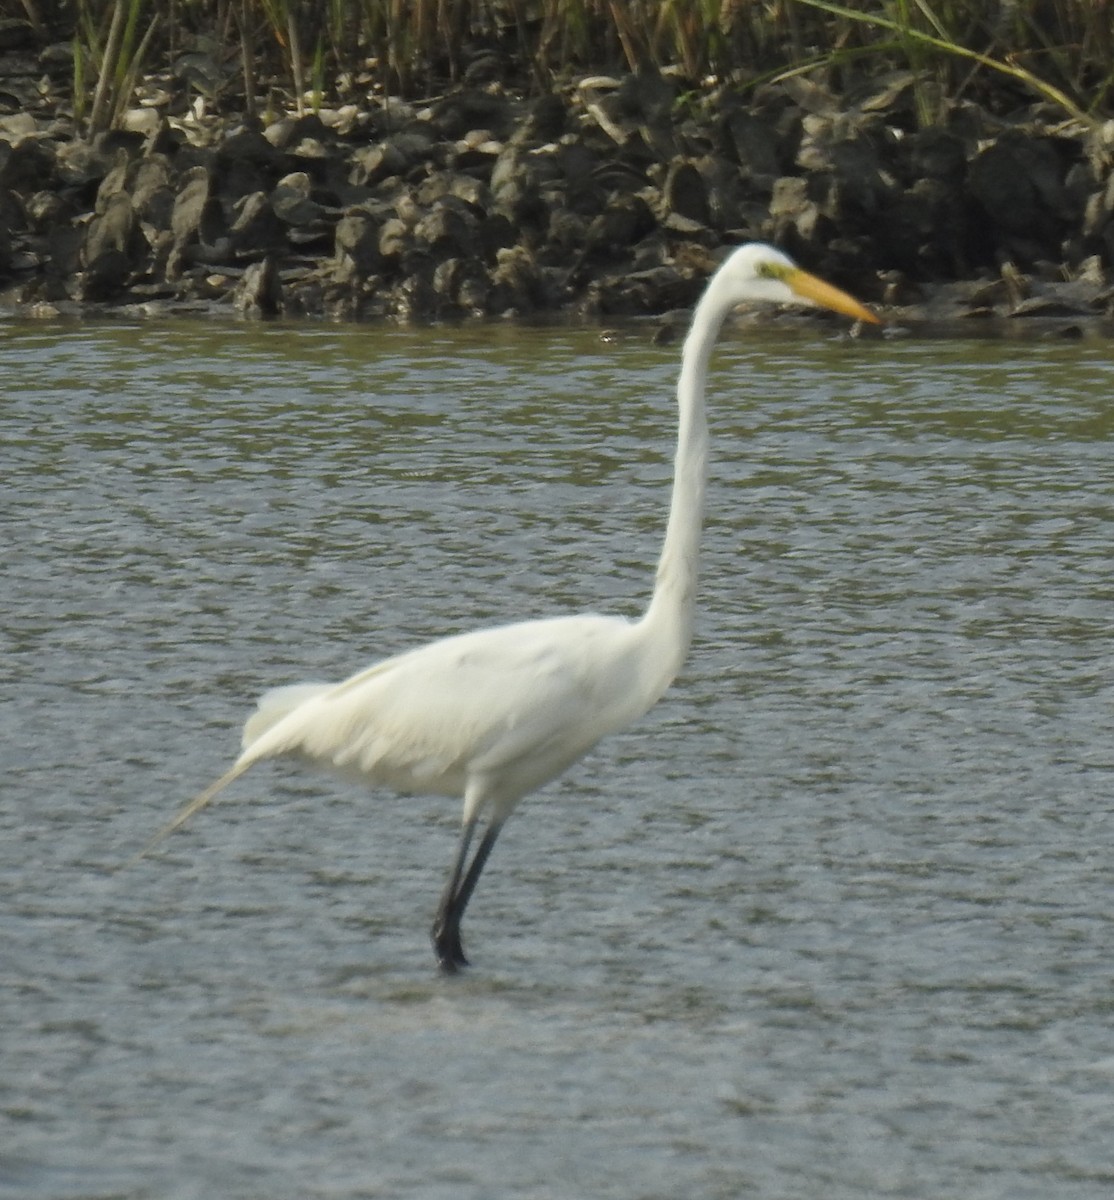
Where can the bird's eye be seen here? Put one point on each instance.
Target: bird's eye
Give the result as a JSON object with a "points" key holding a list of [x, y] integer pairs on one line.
{"points": [[771, 270]]}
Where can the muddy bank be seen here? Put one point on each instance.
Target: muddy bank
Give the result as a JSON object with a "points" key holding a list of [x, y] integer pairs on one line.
{"points": [[610, 198]]}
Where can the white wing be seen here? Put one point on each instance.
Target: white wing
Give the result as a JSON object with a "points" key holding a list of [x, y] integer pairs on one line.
{"points": [[500, 710]]}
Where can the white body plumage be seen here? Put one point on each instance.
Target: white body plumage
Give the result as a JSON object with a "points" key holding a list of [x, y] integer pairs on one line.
{"points": [[490, 716]]}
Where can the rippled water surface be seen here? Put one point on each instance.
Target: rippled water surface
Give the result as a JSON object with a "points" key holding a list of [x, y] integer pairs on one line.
{"points": [[834, 921]]}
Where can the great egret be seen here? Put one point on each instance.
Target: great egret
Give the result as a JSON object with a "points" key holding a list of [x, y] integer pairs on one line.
{"points": [[494, 714]]}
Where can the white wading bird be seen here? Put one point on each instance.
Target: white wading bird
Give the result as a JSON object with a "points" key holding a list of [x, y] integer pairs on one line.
{"points": [[494, 714]]}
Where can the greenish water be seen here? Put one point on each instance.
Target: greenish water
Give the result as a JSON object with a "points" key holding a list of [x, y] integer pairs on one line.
{"points": [[835, 920]]}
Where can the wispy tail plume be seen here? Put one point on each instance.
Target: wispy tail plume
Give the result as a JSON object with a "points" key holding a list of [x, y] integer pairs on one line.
{"points": [[195, 805]]}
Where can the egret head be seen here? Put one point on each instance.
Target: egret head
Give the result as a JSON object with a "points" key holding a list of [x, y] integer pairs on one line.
{"points": [[757, 272]]}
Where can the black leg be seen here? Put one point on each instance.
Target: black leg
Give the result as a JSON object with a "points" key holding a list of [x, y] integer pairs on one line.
{"points": [[464, 892], [446, 926], [445, 933]]}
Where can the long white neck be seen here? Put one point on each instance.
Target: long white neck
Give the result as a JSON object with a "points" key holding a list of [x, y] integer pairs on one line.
{"points": [[667, 623]]}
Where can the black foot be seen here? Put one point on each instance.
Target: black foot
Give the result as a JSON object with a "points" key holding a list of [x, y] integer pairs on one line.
{"points": [[447, 947]]}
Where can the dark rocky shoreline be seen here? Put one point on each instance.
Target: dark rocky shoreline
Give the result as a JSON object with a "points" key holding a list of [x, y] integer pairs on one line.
{"points": [[609, 199]]}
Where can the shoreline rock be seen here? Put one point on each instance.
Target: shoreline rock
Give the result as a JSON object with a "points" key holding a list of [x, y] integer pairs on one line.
{"points": [[611, 199]]}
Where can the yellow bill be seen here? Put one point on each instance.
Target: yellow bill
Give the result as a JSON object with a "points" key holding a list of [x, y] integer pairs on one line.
{"points": [[809, 287]]}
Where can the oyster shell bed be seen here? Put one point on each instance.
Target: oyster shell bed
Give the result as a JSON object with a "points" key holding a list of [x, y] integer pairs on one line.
{"points": [[611, 197]]}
